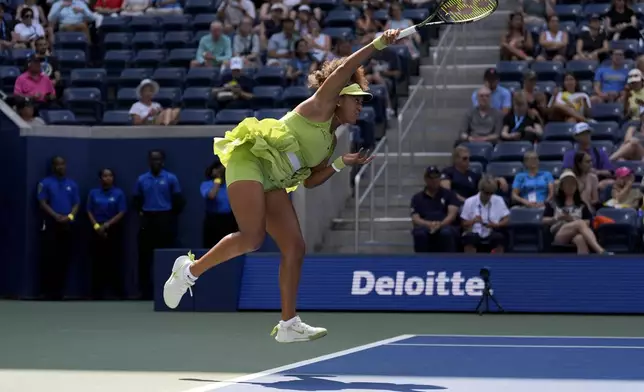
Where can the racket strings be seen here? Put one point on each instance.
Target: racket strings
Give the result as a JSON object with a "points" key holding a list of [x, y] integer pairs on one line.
{"points": [[466, 10]]}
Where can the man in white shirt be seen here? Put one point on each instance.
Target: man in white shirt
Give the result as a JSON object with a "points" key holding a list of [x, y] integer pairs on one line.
{"points": [[484, 217]]}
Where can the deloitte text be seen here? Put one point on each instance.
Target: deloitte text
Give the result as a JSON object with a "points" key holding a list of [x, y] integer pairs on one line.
{"points": [[434, 283]]}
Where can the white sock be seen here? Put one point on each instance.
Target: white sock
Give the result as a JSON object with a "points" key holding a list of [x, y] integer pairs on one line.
{"points": [[188, 274], [290, 322]]}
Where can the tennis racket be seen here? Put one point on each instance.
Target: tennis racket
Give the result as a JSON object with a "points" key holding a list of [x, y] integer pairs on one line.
{"points": [[455, 12]]}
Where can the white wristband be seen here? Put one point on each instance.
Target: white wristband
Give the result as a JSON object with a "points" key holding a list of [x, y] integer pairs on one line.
{"points": [[335, 168]]}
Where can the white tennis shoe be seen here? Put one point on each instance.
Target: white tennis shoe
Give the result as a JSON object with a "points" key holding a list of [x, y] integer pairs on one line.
{"points": [[178, 282], [297, 331]]}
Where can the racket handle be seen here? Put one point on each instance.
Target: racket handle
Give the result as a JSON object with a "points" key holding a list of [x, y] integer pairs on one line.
{"points": [[407, 32]]}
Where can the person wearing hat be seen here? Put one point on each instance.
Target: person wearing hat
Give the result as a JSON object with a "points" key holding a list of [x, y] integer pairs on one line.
{"points": [[34, 85], [569, 218], [433, 213], [501, 98], [304, 14], [634, 95], [272, 23], [148, 112], [611, 80], [592, 43], [623, 194], [236, 88], [601, 166], [267, 159], [233, 11]]}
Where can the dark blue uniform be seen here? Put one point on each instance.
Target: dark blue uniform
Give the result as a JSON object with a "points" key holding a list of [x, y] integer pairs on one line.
{"points": [[61, 195], [434, 208], [158, 198], [107, 206], [219, 220]]}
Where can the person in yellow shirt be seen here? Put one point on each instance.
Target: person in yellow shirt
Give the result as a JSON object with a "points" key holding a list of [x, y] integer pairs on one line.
{"points": [[634, 95], [632, 148]]}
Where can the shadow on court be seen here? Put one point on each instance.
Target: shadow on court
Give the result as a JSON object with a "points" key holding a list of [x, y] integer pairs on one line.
{"points": [[321, 383]]}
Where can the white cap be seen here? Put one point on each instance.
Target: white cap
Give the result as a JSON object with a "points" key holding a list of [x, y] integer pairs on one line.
{"points": [[581, 128], [278, 6], [236, 63], [304, 7], [634, 75], [567, 173]]}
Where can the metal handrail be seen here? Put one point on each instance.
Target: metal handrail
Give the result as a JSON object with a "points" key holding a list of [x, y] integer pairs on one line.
{"points": [[402, 131], [369, 191]]}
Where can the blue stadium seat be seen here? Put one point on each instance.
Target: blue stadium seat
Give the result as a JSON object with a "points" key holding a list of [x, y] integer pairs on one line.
{"points": [[295, 95], [125, 98], [379, 101], [70, 59], [637, 167], [629, 46], [525, 230], [511, 71], [200, 77], [267, 97], [181, 57], [582, 69], [546, 87], [476, 167], [271, 76], [202, 21], [197, 37], [570, 27], [116, 61], [197, 117], [620, 236], [144, 23], [324, 5], [149, 58], [117, 41], [169, 77], [131, 77], [599, 8], [117, 118], [271, 113], [86, 103], [558, 131], [168, 97], [553, 150], [68, 40], [548, 70], [506, 170], [58, 117], [344, 33], [8, 75], [607, 112], [512, 86], [586, 86], [340, 18], [638, 8], [607, 145], [569, 12], [381, 16], [367, 123], [608, 130], [479, 151], [417, 15], [553, 167], [628, 63], [197, 97], [90, 77], [232, 116], [175, 22], [177, 39], [147, 40], [114, 25], [511, 151], [196, 7], [19, 56]]}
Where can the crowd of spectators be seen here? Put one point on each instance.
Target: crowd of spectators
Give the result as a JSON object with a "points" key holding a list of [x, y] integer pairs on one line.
{"points": [[559, 119]]}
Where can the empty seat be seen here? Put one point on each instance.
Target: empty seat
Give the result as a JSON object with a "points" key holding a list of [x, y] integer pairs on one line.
{"points": [[125, 98], [582, 69], [340, 18], [343, 33], [175, 22], [70, 59], [117, 60], [271, 113], [620, 235], [569, 12], [548, 70], [117, 117], [553, 150], [479, 151], [117, 41], [144, 23], [197, 117], [525, 230], [271, 76], [232, 116], [89, 77], [8, 76], [201, 77], [147, 40], [608, 130], [19, 56], [558, 131], [181, 57], [511, 151], [169, 77], [554, 167], [114, 25], [131, 77], [71, 40], [506, 170], [58, 117], [196, 7], [202, 21], [511, 71], [177, 39], [546, 87], [168, 97], [267, 97], [86, 103], [149, 58], [367, 123], [295, 95], [607, 112], [197, 97]]}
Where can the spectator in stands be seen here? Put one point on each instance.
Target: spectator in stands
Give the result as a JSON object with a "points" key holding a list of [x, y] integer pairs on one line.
{"points": [[532, 96], [342, 48], [235, 91], [611, 80], [281, 45], [215, 49], [135, 7], [383, 69], [266, 9], [396, 21], [303, 16], [106, 207], [7, 37], [246, 44], [233, 11], [367, 26], [592, 43], [148, 112], [601, 164], [631, 149], [73, 15], [588, 182], [302, 64], [623, 194], [532, 187], [484, 217], [26, 111], [273, 24], [28, 31], [219, 220], [108, 7], [621, 21], [553, 42], [570, 104], [319, 42], [483, 123], [49, 64], [501, 98], [39, 15], [634, 95], [460, 179], [159, 201], [165, 7], [569, 217], [519, 124], [34, 84], [433, 212], [59, 201], [516, 43], [536, 11]]}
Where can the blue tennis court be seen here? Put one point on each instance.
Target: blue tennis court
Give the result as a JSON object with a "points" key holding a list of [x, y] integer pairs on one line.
{"points": [[418, 363]]}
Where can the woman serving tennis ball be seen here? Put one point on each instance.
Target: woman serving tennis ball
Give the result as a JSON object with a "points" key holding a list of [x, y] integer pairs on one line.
{"points": [[266, 159]]}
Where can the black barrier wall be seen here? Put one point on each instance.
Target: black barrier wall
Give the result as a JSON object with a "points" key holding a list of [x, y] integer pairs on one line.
{"points": [[28, 152]]}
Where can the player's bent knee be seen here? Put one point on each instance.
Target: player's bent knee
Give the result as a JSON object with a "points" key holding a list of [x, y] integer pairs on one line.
{"points": [[253, 241]]}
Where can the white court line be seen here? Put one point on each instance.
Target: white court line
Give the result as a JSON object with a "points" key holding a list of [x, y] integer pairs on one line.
{"points": [[517, 346], [249, 377], [529, 336]]}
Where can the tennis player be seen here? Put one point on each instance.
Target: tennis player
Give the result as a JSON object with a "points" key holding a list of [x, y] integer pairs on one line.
{"points": [[264, 161]]}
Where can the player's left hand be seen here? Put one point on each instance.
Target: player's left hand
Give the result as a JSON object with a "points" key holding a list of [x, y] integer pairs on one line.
{"points": [[357, 158]]}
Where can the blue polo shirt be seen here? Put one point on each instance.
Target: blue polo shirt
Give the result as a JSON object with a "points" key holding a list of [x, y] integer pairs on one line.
{"points": [[220, 204], [157, 191], [501, 98], [464, 184], [105, 204], [60, 193], [533, 187], [433, 208]]}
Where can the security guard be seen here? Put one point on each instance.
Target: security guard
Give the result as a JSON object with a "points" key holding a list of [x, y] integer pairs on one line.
{"points": [[159, 201], [219, 220], [106, 206], [59, 200]]}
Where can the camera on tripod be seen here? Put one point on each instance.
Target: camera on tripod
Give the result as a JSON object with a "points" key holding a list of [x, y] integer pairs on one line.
{"points": [[485, 273]]}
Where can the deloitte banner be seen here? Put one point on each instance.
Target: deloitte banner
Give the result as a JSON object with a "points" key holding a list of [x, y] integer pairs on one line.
{"points": [[540, 283]]}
